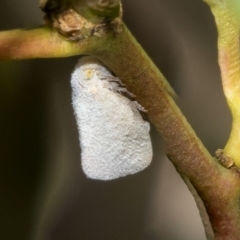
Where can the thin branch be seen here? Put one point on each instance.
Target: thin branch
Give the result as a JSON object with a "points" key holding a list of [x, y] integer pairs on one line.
{"points": [[42, 42], [69, 33]]}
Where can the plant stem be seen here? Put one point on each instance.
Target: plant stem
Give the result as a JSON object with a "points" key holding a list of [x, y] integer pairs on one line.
{"points": [[41, 42], [228, 26], [218, 187]]}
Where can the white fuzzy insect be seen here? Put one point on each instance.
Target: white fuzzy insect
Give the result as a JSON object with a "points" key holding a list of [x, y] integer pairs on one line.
{"points": [[114, 138]]}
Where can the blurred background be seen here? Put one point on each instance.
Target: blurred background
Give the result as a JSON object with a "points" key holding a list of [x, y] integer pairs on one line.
{"points": [[44, 193]]}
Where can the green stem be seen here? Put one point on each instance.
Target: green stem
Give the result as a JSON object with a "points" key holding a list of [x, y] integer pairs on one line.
{"points": [[218, 187], [228, 26], [41, 42]]}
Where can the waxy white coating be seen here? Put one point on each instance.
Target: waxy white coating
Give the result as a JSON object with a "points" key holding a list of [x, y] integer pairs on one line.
{"points": [[114, 138]]}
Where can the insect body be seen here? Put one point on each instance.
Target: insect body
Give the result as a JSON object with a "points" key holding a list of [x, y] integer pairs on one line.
{"points": [[114, 138]]}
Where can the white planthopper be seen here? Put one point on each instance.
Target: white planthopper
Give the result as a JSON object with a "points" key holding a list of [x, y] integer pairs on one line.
{"points": [[114, 138]]}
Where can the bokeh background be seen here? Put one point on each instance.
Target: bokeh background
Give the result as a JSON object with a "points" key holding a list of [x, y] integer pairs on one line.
{"points": [[44, 194]]}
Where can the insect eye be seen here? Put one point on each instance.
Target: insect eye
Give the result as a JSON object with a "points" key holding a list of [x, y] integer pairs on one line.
{"points": [[88, 73]]}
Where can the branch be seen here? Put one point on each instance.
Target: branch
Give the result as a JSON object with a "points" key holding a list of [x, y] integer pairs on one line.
{"points": [[217, 186], [228, 25], [66, 27], [40, 43]]}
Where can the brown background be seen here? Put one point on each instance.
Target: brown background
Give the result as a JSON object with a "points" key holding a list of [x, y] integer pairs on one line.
{"points": [[44, 194]]}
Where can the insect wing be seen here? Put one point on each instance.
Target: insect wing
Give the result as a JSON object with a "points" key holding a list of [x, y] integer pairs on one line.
{"points": [[114, 138]]}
